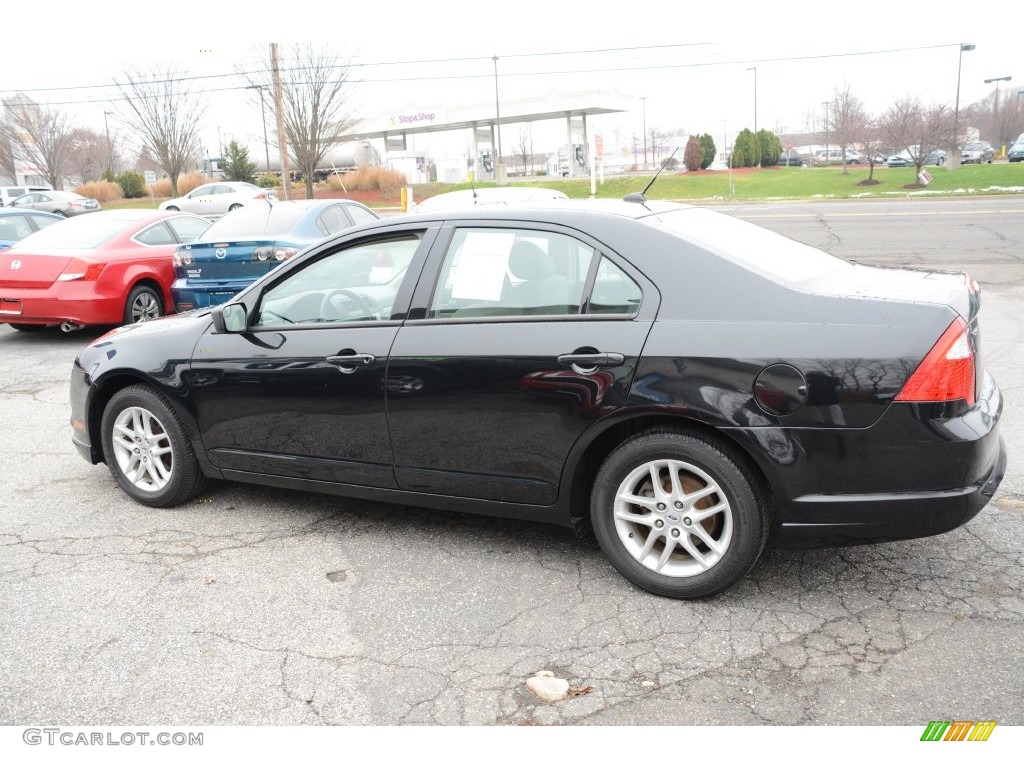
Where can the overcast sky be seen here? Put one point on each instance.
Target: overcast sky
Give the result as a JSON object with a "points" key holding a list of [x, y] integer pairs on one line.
{"points": [[689, 60]]}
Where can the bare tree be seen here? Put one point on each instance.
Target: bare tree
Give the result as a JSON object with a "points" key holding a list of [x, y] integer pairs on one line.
{"points": [[917, 129], [88, 155], [7, 169], [315, 95], [848, 119], [1000, 120], [161, 109], [871, 143], [38, 136], [524, 148]]}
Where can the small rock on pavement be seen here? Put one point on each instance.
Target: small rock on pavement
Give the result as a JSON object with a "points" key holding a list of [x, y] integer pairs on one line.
{"points": [[545, 686]]}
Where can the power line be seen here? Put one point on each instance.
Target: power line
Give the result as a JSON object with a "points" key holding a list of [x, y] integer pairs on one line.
{"points": [[452, 60]]}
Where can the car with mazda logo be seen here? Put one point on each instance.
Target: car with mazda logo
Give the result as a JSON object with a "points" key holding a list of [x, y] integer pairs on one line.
{"points": [[248, 242]]}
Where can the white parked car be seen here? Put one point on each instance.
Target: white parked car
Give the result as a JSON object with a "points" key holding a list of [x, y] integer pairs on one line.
{"points": [[470, 198], [219, 198]]}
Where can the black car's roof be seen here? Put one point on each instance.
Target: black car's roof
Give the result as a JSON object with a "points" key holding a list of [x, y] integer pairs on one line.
{"points": [[563, 211]]}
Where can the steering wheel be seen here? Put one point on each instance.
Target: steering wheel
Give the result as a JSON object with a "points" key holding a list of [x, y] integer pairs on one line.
{"points": [[357, 302]]}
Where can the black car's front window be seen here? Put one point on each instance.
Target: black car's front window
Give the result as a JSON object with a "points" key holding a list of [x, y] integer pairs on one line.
{"points": [[355, 284]]}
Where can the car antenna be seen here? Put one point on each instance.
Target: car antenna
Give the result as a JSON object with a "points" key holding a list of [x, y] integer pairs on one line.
{"points": [[641, 197]]}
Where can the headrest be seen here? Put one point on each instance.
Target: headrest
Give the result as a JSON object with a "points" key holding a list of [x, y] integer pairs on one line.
{"points": [[527, 261]]}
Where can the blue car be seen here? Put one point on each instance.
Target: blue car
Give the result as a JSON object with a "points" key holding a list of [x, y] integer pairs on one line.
{"points": [[16, 224], [245, 244]]}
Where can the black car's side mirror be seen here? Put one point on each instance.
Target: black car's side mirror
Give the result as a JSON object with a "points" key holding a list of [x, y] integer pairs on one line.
{"points": [[230, 318]]}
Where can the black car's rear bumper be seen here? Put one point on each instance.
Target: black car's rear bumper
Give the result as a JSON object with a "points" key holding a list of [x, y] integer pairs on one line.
{"points": [[921, 470], [840, 519]]}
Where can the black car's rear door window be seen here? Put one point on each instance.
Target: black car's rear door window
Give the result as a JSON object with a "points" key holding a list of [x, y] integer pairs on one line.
{"points": [[510, 272]]}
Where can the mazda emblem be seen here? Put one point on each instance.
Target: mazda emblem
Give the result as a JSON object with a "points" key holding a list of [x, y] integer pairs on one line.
{"points": [[220, 253]]}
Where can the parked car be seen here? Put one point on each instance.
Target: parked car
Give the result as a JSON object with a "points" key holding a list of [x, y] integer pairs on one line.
{"points": [[246, 244], [684, 382], [219, 198], [462, 198], [977, 152], [790, 157], [936, 157], [16, 225], [835, 157], [60, 203], [7, 194], [1016, 153], [109, 268], [899, 161]]}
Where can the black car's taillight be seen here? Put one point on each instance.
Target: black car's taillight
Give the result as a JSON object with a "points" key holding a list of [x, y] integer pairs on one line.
{"points": [[947, 372]]}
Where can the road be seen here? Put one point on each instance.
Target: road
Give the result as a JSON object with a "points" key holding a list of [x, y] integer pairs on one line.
{"points": [[255, 606]]}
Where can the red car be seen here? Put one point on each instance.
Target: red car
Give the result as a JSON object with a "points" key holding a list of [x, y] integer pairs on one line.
{"points": [[108, 268]]}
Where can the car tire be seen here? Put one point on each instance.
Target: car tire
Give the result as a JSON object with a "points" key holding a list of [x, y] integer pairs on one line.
{"points": [[172, 208], [710, 508], [234, 207], [61, 214], [143, 304], [147, 450]]}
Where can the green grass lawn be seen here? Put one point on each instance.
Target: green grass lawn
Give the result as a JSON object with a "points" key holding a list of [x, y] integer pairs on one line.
{"points": [[787, 183], [759, 184]]}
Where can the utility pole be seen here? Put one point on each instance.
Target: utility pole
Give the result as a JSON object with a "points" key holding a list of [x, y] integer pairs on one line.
{"points": [[110, 147], [286, 176]]}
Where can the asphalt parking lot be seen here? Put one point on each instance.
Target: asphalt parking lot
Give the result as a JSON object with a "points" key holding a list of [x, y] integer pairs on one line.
{"points": [[255, 606]]}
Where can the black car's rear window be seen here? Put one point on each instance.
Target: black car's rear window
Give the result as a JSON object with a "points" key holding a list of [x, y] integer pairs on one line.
{"points": [[754, 247]]}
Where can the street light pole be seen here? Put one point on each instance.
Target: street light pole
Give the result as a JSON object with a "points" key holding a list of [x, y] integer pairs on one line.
{"points": [[755, 96], [498, 175], [110, 147], [643, 104], [954, 151], [263, 113]]}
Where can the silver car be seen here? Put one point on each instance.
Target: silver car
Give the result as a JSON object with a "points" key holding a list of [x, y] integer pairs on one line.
{"points": [[977, 152], [219, 197], [61, 203]]}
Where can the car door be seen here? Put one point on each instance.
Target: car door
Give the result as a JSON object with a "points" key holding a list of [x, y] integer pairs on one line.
{"points": [[300, 393], [508, 357], [200, 200]]}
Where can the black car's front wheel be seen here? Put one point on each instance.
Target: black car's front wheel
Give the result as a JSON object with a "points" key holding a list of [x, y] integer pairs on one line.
{"points": [[677, 515], [147, 450]]}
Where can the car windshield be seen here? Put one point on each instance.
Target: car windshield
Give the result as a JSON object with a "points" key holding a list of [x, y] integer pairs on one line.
{"points": [[762, 250], [80, 232], [255, 221]]}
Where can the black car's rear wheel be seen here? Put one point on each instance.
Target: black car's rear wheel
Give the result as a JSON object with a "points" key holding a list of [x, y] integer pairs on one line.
{"points": [[677, 515], [146, 449]]}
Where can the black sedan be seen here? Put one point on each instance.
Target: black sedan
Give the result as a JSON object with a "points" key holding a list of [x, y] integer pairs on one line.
{"points": [[684, 383]]}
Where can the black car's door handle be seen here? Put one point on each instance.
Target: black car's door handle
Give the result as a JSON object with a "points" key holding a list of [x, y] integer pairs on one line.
{"points": [[350, 361], [592, 360]]}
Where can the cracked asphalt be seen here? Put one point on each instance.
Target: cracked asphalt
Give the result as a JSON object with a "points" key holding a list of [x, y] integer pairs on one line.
{"points": [[254, 606]]}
